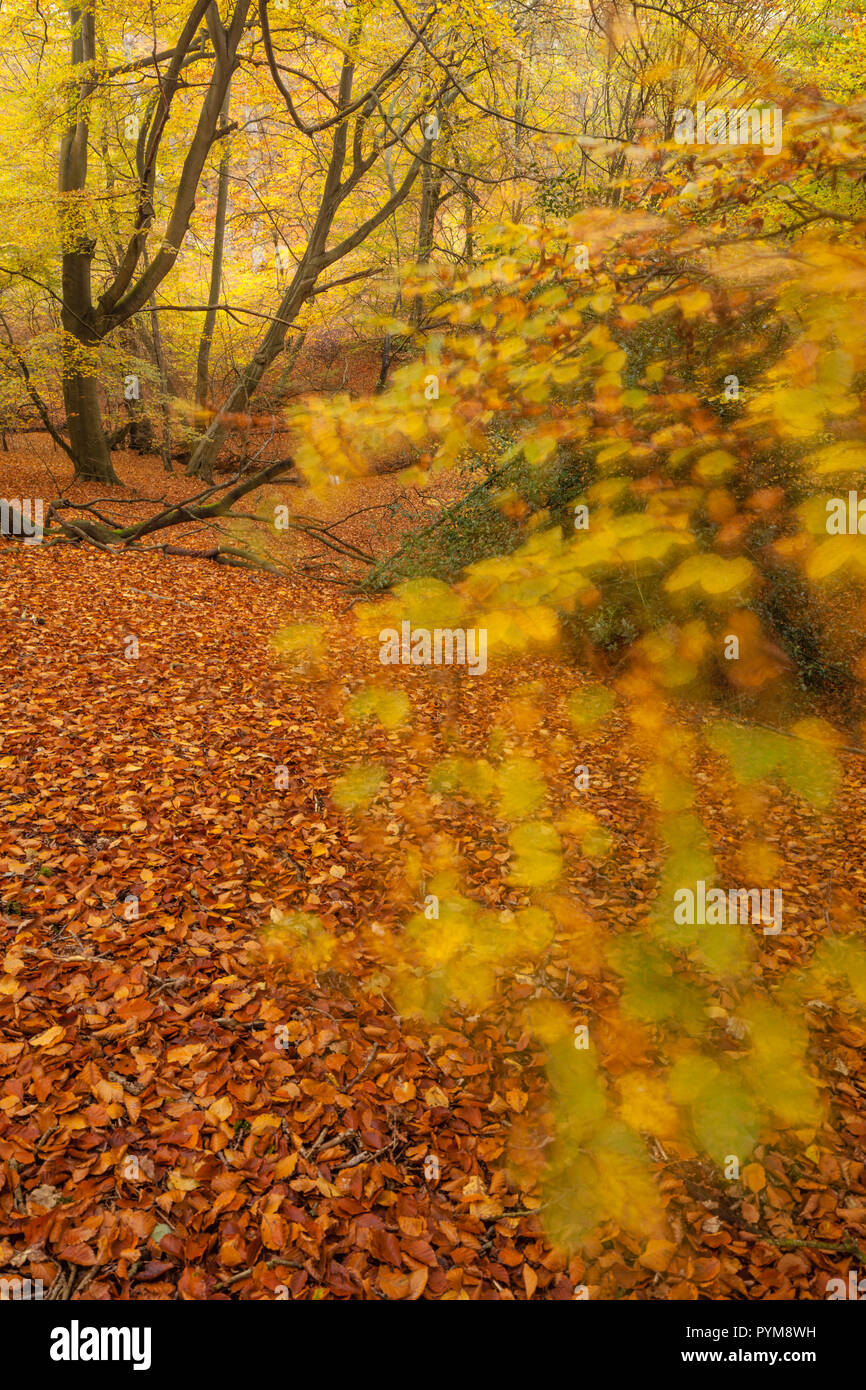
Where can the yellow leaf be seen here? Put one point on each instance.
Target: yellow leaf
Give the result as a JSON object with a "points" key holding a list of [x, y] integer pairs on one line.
{"points": [[328, 1189], [694, 302], [390, 707], [712, 573], [539, 856], [474, 1187], [487, 1210], [714, 465], [754, 1177], [435, 1097], [831, 556], [849, 456], [633, 313], [178, 1183], [358, 787], [260, 1122], [221, 1109], [645, 1105]]}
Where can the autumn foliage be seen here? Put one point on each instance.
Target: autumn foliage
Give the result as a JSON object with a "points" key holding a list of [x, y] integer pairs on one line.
{"points": [[546, 980]]}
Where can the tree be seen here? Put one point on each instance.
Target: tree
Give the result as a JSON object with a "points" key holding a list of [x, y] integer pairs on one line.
{"points": [[204, 347], [337, 186], [86, 322], [429, 64]]}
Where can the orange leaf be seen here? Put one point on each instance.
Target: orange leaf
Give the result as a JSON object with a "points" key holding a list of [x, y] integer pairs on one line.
{"points": [[274, 1232], [658, 1255]]}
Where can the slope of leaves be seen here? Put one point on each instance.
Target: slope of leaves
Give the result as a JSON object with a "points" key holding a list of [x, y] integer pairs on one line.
{"points": [[158, 1134]]}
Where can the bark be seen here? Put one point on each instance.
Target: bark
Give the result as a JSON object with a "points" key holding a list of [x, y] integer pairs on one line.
{"points": [[80, 388], [216, 267], [162, 369], [431, 196], [164, 408], [468, 225], [86, 433], [390, 349], [385, 363]]}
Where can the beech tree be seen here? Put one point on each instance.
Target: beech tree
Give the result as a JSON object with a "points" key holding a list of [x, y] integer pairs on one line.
{"points": [[88, 321], [349, 132]]}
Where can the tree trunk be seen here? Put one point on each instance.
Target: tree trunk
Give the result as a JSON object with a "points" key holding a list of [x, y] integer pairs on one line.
{"points": [[317, 257], [165, 408], [86, 324], [86, 433], [164, 392], [431, 194], [87, 440], [468, 225], [424, 238], [216, 266], [205, 452]]}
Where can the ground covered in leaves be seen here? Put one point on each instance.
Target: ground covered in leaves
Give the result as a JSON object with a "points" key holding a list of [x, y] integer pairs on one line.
{"points": [[181, 1117]]}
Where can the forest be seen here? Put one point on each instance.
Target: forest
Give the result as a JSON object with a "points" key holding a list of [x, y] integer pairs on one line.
{"points": [[433, 645]]}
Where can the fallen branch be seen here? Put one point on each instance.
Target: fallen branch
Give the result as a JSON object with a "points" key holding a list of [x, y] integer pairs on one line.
{"points": [[114, 538]]}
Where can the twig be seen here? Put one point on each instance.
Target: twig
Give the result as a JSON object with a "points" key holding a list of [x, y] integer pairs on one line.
{"points": [[86, 1278], [323, 1142], [164, 598], [847, 1247], [134, 1088], [365, 1068], [17, 1192], [166, 984], [245, 1273], [364, 1157]]}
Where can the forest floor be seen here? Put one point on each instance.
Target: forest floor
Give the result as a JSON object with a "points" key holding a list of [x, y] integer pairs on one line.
{"points": [[155, 1139]]}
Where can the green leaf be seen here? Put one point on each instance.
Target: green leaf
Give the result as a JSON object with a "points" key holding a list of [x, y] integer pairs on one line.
{"points": [[359, 786], [726, 1120], [587, 706], [390, 707]]}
